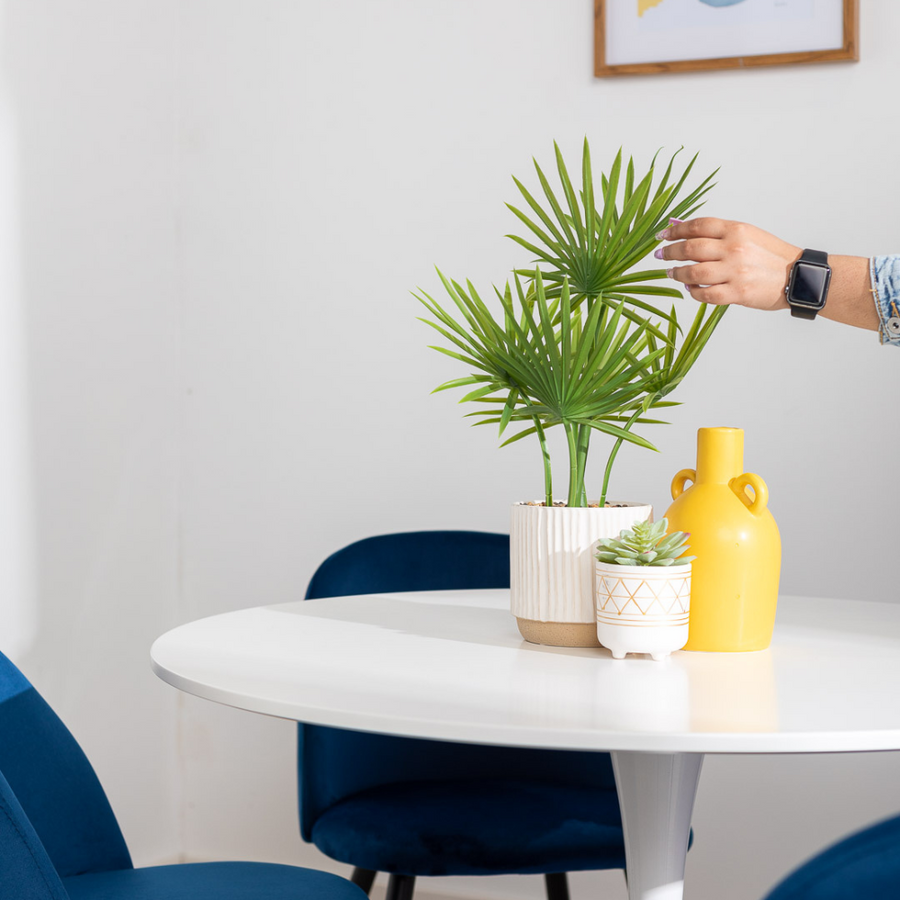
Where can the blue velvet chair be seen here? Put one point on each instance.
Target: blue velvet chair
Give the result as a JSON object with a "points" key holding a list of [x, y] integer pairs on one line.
{"points": [[862, 866], [414, 807], [59, 839]]}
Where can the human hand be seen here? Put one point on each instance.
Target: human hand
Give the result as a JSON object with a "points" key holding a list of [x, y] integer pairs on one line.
{"points": [[734, 262]]}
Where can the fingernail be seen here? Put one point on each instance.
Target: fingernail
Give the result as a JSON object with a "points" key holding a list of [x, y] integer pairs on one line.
{"points": [[659, 253], [670, 273], [675, 221], [663, 235]]}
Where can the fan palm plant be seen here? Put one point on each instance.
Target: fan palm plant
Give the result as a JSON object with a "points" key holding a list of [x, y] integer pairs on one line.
{"points": [[575, 341]]}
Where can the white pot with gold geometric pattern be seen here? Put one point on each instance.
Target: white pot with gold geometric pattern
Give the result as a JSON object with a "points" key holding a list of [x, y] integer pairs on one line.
{"points": [[643, 609]]}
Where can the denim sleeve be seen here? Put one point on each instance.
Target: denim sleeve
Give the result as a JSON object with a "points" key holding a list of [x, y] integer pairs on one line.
{"points": [[885, 272]]}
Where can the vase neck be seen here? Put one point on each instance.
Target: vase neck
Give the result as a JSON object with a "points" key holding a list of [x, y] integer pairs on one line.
{"points": [[720, 454]]}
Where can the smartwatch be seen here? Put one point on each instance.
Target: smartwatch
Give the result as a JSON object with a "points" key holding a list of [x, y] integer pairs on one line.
{"points": [[807, 288]]}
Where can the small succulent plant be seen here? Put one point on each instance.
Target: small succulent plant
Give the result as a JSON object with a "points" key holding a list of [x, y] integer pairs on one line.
{"points": [[647, 544]]}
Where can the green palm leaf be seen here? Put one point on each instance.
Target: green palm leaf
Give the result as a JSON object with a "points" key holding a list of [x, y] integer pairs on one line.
{"points": [[580, 342]]}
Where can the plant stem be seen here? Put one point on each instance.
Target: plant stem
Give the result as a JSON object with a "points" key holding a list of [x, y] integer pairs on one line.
{"points": [[572, 499], [545, 453], [584, 440], [612, 457], [548, 471], [584, 431]]}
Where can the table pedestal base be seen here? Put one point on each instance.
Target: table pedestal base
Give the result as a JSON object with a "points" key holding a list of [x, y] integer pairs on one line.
{"points": [[656, 798]]}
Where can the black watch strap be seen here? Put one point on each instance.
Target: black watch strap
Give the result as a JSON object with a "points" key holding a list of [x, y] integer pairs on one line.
{"points": [[818, 258]]}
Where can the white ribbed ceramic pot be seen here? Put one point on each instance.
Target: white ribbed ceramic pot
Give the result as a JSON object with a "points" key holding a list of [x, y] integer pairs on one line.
{"points": [[643, 609], [552, 550]]}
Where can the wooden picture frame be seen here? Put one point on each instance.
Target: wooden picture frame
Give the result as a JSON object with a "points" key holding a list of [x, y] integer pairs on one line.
{"points": [[620, 20]]}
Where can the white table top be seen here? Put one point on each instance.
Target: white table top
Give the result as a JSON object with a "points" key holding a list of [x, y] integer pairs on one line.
{"points": [[452, 666]]}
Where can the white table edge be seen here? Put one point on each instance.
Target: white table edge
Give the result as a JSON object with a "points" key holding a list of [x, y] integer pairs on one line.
{"points": [[598, 741]]}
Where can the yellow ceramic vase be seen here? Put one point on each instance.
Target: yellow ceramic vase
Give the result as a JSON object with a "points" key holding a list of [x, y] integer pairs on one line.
{"points": [[735, 539]]}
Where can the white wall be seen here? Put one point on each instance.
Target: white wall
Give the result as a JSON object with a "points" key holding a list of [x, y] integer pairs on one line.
{"points": [[222, 207], [88, 91]]}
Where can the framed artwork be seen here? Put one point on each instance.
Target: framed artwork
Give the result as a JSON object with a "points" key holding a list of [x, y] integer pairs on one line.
{"points": [[654, 36]]}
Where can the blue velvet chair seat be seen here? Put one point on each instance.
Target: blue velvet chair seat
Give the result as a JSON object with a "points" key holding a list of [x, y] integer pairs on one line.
{"points": [[215, 881], [476, 827]]}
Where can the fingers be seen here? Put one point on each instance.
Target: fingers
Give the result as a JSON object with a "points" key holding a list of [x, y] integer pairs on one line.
{"points": [[702, 273], [704, 227], [697, 249], [715, 294], [705, 283], [702, 241]]}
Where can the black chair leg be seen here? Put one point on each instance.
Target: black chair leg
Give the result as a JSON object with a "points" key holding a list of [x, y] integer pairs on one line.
{"points": [[363, 878], [557, 886], [401, 887]]}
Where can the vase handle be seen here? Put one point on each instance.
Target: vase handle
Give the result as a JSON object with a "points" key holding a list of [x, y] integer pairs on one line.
{"points": [[760, 500], [679, 480]]}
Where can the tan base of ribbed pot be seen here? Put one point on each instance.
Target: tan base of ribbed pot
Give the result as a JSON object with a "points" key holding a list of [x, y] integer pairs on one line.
{"points": [[558, 634]]}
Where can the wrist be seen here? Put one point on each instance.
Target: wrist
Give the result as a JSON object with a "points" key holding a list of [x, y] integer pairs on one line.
{"points": [[789, 256], [850, 300]]}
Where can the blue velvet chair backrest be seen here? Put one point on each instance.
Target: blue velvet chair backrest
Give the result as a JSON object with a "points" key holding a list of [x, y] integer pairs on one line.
{"points": [[26, 872], [862, 866], [54, 783], [414, 561], [334, 763]]}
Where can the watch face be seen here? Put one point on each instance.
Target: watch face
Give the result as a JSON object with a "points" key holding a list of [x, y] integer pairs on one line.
{"points": [[808, 285]]}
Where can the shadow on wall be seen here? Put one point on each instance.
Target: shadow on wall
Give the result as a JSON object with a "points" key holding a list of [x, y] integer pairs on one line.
{"points": [[89, 382], [90, 357], [19, 612]]}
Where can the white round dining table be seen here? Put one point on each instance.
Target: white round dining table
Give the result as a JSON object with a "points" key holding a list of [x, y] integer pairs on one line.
{"points": [[451, 666]]}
